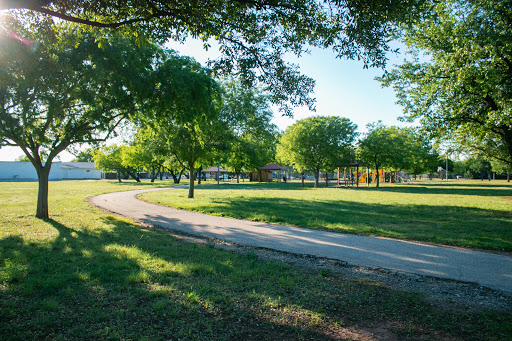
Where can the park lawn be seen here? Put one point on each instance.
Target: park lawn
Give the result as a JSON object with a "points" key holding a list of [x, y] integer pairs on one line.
{"points": [[467, 213], [85, 274]]}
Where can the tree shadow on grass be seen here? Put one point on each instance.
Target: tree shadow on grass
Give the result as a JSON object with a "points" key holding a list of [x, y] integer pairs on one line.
{"points": [[128, 282], [454, 190], [451, 225], [451, 188], [123, 281]]}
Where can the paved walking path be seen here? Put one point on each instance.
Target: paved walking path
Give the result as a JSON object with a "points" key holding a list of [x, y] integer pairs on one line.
{"points": [[489, 270]]}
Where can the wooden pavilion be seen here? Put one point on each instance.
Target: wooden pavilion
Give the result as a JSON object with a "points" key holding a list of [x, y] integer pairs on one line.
{"points": [[266, 173]]}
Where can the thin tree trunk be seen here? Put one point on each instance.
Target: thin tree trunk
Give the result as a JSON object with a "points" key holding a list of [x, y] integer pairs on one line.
{"points": [[302, 176], [199, 175], [191, 181], [42, 196], [377, 172]]}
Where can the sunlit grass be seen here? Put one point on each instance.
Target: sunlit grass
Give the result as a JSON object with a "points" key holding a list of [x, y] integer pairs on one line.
{"points": [[466, 213], [83, 274]]}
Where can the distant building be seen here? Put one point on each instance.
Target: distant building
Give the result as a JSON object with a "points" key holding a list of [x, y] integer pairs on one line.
{"points": [[24, 170]]}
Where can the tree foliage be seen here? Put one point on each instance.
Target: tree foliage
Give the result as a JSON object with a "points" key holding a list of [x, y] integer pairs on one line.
{"points": [[254, 36], [64, 85], [396, 148], [119, 159], [83, 155], [317, 143], [462, 86], [249, 117], [59, 88]]}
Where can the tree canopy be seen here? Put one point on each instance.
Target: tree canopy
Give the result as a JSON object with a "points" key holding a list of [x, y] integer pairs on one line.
{"points": [[317, 143], [60, 87], [382, 147], [254, 36], [254, 136], [459, 82]]}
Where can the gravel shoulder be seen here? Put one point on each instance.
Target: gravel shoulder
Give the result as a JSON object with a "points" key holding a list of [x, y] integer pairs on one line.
{"points": [[445, 293]]}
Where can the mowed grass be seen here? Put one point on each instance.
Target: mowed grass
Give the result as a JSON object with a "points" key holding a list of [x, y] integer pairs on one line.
{"points": [[466, 213], [86, 275]]}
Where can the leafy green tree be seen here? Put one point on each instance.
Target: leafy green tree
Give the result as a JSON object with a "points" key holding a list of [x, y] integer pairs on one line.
{"points": [[184, 111], [149, 148], [461, 87], [84, 155], [422, 156], [117, 158], [65, 92], [286, 154], [22, 158], [459, 167], [65, 86], [317, 143], [254, 36], [197, 140], [501, 168], [478, 166], [384, 147], [249, 117]]}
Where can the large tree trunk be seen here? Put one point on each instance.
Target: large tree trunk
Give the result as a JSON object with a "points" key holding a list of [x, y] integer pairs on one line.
{"points": [[42, 197], [153, 174], [191, 182], [317, 176], [302, 176], [175, 177]]}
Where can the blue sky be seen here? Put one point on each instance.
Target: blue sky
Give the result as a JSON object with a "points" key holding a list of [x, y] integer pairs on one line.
{"points": [[343, 88]]}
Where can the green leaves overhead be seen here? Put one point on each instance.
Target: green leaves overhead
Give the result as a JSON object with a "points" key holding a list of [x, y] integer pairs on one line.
{"points": [[254, 36], [462, 86]]}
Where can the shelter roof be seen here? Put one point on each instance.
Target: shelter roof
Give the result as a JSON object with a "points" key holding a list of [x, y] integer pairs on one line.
{"points": [[272, 166]]}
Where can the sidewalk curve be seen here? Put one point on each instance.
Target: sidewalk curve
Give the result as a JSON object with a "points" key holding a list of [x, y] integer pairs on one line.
{"points": [[487, 269]]}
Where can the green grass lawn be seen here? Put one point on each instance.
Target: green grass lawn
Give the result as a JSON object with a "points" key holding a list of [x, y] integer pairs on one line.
{"points": [[467, 213], [84, 274]]}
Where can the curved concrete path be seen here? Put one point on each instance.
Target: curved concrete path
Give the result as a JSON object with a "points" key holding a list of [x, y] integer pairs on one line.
{"points": [[487, 269]]}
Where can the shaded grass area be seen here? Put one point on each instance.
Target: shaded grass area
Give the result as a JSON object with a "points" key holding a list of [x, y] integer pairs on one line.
{"points": [[468, 214], [84, 274]]}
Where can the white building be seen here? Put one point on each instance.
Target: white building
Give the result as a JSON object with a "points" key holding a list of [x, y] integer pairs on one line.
{"points": [[24, 170]]}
